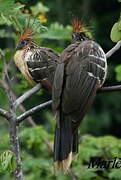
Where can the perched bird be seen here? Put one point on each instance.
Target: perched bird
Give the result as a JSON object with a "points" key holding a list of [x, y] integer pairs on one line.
{"points": [[80, 73], [36, 63]]}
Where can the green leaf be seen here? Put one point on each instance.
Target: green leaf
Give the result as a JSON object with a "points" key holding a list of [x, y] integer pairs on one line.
{"points": [[119, 24], [8, 162], [118, 72], [116, 32], [57, 31], [119, 0], [8, 7], [39, 8]]}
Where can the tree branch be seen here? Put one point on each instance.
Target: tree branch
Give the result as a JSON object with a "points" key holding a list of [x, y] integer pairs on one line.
{"points": [[33, 110], [41, 106], [113, 50], [72, 175], [5, 85], [14, 142], [110, 88], [27, 95], [4, 114]]}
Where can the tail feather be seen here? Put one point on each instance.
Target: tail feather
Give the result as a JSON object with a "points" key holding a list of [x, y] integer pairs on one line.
{"points": [[65, 144]]}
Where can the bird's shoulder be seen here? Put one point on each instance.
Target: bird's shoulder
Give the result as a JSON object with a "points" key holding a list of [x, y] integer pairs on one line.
{"points": [[82, 49], [42, 54]]}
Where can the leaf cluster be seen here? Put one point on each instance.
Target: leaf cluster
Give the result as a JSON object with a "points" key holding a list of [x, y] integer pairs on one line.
{"points": [[38, 162]]}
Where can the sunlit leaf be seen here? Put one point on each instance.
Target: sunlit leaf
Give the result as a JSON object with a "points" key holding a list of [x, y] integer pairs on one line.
{"points": [[118, 72], [116, 32], [39, 8], [7, 160]]}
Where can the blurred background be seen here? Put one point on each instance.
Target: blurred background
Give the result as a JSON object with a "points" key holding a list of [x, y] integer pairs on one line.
{"points": [[101, 127]]}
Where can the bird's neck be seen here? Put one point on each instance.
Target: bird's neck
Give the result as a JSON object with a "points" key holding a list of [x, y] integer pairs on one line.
{"points": [[79, 37], [33, 45]]}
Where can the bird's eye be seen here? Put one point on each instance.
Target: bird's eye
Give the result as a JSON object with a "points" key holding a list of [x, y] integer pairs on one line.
{"points": [[23, 42]]}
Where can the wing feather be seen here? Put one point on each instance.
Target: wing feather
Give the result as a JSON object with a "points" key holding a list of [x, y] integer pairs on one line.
{"points": [[42, 64], [57, 86], [80, 77]]}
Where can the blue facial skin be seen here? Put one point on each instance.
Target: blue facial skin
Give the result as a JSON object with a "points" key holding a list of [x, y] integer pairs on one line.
{"points": [[21, 44]]}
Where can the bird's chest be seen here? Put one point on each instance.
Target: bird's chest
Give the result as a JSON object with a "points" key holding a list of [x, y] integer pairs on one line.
{"points": [[20, 59]]}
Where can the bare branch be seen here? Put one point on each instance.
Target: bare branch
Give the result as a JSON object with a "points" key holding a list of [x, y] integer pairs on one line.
{"points": [[72, 175], [5, 85], [27, 95], [29, 119], [49, 145], [113, 50], [33, 110], [14, 142], [110, 88], [4, 114]]}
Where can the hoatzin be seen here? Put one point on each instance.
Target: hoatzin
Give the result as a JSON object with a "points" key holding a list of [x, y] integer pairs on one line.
{"points": [[80, 73], [36, 63]]}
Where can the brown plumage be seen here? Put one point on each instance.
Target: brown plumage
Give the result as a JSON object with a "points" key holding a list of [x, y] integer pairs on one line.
{"points": [[81, 71], [36, 63]]}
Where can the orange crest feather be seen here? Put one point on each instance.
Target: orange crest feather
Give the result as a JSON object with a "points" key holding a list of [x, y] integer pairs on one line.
{"points": [[27, 34], [76, 25]]}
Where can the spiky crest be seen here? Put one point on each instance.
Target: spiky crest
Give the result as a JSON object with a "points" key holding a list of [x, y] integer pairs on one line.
{"points": [[76, 25], [28, 31], [27, 34]]}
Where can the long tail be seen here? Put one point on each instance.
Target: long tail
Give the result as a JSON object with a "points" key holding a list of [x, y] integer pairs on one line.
{"points": [[65, 144]]}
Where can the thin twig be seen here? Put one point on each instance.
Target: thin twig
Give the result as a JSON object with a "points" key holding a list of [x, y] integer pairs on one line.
{"points": [[33, 110], [113, 50], [4, 114], [26, 95], [29, 119]]}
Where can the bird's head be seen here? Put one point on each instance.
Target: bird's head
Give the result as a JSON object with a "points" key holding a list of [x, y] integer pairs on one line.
{"points": [[25, 39], [79, 32]]}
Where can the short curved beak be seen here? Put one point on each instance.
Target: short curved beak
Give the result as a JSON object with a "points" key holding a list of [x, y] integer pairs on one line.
{"points": [[19, 46]]}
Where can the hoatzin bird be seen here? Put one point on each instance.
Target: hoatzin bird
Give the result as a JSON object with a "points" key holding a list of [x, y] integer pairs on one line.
{"points": [[80, 73], [36, 63]]}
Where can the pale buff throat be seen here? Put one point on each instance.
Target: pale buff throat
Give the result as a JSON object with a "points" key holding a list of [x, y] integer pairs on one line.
{"points": [[21, 64]]}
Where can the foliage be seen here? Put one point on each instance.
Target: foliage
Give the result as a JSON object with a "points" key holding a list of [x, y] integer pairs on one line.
{"points": [[115, 37], [116, 32], [37, 157], [39, 7], [7, 161], [57, 31], [118, 72]]}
